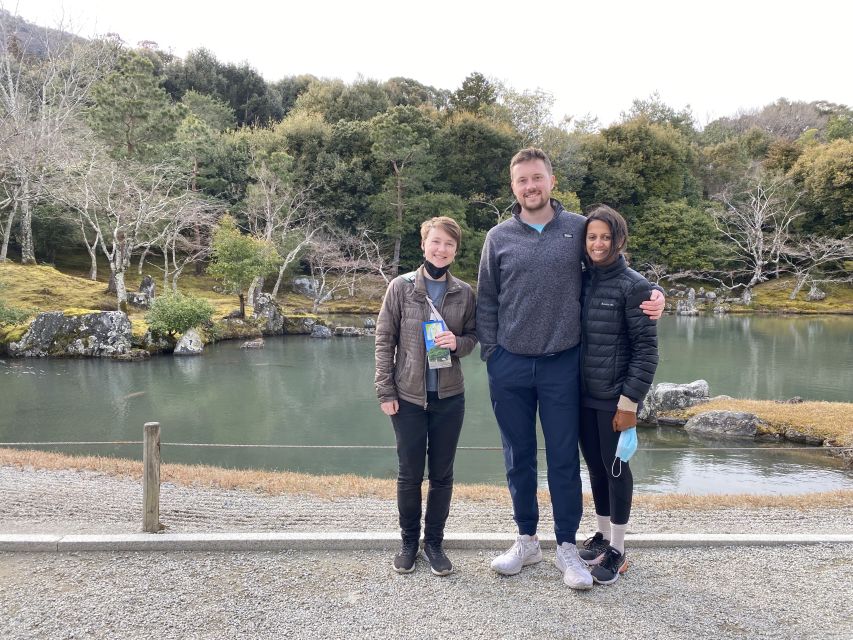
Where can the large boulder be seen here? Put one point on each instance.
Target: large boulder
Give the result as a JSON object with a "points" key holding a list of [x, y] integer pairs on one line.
{"points": [[145, 295], [727, 424], [320, 331], [268, 311], [668, 396], [190, 344], [349, 332], [299, 324], [153, 343], [57, 333], [305, 286]]}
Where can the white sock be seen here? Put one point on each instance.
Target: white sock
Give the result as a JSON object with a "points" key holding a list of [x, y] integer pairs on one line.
{"points": [[603, 523], [618, 539]]}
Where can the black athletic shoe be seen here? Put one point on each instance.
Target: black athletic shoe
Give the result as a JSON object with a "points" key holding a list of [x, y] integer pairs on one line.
{"points": [[404, 561], [592, 550], [439, 563], [612, 564]]}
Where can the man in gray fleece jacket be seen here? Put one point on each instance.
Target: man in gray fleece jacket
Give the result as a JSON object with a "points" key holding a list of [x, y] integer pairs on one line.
{"points": [[528, 325]]}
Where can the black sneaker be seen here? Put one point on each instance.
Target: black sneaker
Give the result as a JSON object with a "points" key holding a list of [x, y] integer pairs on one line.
{"points": [[404, 561], [592, 550], [612, 564], [439, 563]]}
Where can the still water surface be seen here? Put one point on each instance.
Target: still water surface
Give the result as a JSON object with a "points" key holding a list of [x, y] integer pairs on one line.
{"points": [[299, 391]]}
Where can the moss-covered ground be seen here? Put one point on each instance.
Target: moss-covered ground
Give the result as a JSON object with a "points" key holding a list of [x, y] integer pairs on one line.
{"points": [[831, 421]]}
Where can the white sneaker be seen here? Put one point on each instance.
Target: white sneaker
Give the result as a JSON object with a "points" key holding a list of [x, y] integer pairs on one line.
{"points": [[525, 551], [574, 570]]}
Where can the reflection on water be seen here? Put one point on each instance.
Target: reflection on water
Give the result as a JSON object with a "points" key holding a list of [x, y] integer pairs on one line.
{"points": [[299, 391], [761, 357]]}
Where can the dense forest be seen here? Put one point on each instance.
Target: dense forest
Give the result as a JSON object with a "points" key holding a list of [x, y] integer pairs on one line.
{"points": [[135, 154]]}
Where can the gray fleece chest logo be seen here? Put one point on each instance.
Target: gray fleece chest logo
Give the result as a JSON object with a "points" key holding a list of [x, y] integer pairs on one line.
{"points": [[568, 235], [607, 304]]}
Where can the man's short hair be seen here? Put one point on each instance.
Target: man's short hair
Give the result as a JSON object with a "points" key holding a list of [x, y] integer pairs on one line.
{"points": [[448, 225], [528, 154]]}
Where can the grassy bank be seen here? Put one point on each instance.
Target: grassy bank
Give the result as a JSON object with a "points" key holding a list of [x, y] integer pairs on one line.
{"points": [[46, 288], [350, 486], [829, 421], [38, 288]]}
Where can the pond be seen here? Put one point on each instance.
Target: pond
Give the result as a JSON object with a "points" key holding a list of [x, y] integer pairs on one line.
{"points": [[299, 392]]}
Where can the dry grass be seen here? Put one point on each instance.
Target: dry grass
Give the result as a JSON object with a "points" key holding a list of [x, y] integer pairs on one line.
{"points": [[350, 486], [44, 288], [773, 296], [831, 421]]}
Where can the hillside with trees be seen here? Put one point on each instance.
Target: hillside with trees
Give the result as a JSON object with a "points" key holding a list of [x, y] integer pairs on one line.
{"points": [[133, 156]]}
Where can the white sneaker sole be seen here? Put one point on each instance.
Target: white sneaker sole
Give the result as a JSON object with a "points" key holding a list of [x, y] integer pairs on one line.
{"points": [[534, 559], [582, 586], [595, 561], [403, 571]]}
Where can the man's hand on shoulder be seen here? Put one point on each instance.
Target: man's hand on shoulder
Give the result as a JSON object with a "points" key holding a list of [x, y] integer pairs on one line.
{"points": [[653, 307]]}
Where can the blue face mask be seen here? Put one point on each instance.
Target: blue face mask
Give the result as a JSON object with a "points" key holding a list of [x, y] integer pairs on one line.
{"points": [[625, 448]]}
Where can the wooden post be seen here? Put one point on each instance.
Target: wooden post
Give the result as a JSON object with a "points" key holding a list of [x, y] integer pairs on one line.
{"points": [[151, 478]]}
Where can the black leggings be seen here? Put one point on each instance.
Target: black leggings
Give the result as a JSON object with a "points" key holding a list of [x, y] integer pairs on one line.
{"points": [[598, 440], [426, 435]]}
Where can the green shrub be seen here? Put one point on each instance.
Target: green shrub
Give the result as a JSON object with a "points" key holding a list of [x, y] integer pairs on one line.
{"points": [[11, 315], [175, 313]]}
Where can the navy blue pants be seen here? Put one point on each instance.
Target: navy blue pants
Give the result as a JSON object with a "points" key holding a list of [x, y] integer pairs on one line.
{"points": [[518, 386], [426, 437]]}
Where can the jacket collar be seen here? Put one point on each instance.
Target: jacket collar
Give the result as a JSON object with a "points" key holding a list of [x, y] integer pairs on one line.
{"points": [[453, 283], [555, 204], [611, 270]]}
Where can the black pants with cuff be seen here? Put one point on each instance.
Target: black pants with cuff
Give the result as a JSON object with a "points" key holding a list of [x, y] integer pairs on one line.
{"points": [[426, 438], [612, 495]]}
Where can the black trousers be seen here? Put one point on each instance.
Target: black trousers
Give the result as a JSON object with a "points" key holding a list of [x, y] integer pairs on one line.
{"points": [[598, 440], [426, 437]]}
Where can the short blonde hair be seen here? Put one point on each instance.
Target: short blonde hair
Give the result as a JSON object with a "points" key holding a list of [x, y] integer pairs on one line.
{"points": [[448, 225]]}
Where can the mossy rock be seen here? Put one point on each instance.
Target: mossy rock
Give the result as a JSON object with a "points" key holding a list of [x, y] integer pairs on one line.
{"points": [[301, 323], [77, 311], [13, 333], [236, 329]]}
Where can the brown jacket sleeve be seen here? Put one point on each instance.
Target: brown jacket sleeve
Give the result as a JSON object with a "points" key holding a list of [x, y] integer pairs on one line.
{"points": [[387, 338], [466, 342]]}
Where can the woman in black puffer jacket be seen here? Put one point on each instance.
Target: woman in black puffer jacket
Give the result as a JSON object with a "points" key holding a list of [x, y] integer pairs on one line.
{"points": [[619, 358]]}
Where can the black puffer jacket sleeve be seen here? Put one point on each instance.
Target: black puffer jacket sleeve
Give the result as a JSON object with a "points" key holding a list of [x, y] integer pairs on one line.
{"points": [[643, 335]]}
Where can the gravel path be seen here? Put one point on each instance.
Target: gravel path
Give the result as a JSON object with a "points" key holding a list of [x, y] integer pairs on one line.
{"points": [[667, 593], [44, 501], [784, 592]]}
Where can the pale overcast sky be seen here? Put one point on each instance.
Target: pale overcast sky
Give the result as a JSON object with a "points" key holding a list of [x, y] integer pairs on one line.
{"points": [[594, 57]]}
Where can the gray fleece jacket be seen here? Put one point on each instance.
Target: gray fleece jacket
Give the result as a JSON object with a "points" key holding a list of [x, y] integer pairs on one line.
{"points": [[529, 285]]}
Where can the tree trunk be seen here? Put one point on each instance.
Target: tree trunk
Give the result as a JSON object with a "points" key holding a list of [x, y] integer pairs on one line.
{"points": [[278, 281], [142, 259], [165, 269], [398, 235], [93, 267], [801, 281], [256, 287], [242, 305], [28, 254], [121, 291], [111, 285], [7, 232]]}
